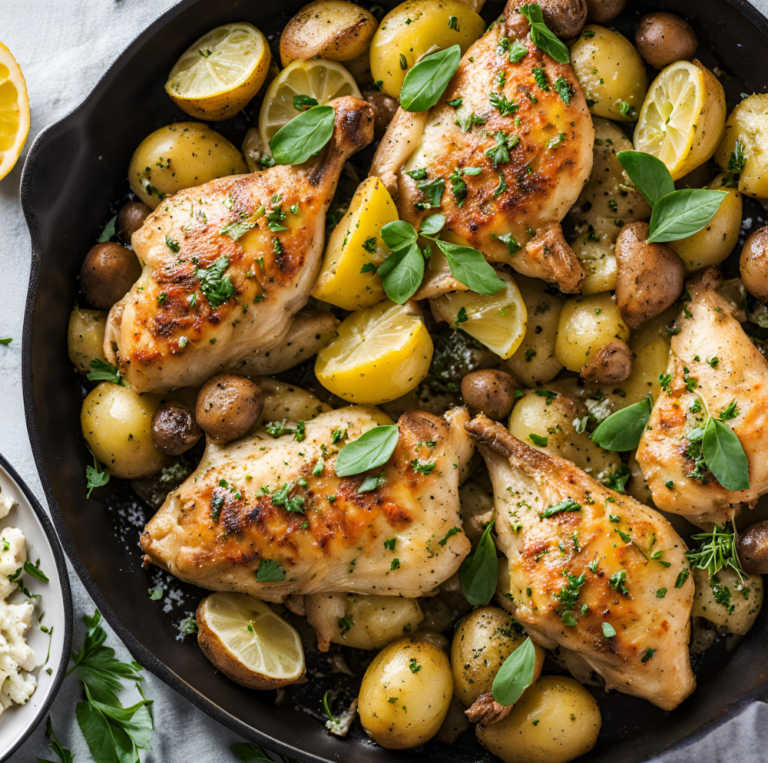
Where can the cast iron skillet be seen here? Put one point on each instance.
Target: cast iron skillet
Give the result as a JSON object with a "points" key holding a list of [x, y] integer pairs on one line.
{"points": [[75, 171]]}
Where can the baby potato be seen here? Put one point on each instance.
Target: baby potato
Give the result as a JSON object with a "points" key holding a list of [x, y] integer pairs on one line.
{"points": [[117, 425], [744, 147], [413, 28], [534, 361], [178, 156], [335, 30], [585, 325], [287, 402], [753, 264], [405, 694], [711, 245], [555, 721], [362, 622], [552, 419], [482, 643], [611, 72], [731, 605], [663, 38], [603, 11], [85, 338], [354, 245]]}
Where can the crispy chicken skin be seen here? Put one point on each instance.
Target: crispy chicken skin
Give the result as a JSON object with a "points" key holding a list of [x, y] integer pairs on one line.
{"points": [[165, 333], [218, 526], [633, 551], [527, 196], [708, 330]]}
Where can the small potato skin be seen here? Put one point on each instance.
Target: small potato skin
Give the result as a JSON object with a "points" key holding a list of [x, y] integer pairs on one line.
{"points": [[331, 29], [85, 338], [649, 277], [663, 38], [421, 698], [567, 724], [752, 546], [564, 17], [612, 364], [603, 11], [228, 406], [753, 264], [181, 155], [130, 218], [489, 391], [174, 429], [107, 274]]}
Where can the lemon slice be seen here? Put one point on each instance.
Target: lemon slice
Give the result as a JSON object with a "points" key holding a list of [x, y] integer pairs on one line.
{"points": [[498, 321], [380, 354], [14, 111], [319, 79], [219, 73], [683, 117], [249, 642]]}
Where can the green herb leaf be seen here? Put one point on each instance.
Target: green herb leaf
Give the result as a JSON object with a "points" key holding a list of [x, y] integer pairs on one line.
{"points": [[303, 102], [568, 505], [736, 161], [304, 136], [399, 234], [370, 450], [433, 190], [724, 455], [217, 287], [270, 571], [515, 675], [480, 571], [468, 266], [426, 82], [95, 477], [35, 571], [401, 274], [108, 232], [622, 430], [649, 174], [371, 482], [64, 755], [717, 551], [432, 225], [543, 38], [249, 753], [608, 630], [103, 371], [517, 51], [683, 213], [538, 440]]}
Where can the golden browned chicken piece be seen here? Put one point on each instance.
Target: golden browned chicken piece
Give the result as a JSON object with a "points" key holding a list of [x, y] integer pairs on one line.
{"points": [[268, 516], [586, 562], [227, 266], [527, 128], [713, 365]]}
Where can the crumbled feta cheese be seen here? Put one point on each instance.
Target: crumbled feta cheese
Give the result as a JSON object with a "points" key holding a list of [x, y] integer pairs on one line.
{"points": [[13, 554]]}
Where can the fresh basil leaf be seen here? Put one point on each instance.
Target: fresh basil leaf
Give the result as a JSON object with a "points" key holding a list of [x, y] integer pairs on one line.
{"points": [[433, 190], [426, 82], [515, 675], [432, 225], [724, 455], [304, 136], [108, 232], [368, 451], [468, 266], [622, 430], [270, 571], [543, 38], [301, 102], [567, 505], [683, 213], [649, 174], [480, 571], [398, 235], [401, 282], [217, 287]]}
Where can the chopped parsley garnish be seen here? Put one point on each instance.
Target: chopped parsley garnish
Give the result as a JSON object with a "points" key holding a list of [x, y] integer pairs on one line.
{"points": [[568, 505], [217, 287]]}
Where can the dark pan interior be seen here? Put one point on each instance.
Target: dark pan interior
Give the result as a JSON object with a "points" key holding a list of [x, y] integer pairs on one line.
{"points": [[75, 173]]}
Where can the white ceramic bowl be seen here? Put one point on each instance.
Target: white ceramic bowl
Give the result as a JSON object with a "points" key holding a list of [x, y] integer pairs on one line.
{"points": [[18, 721]]}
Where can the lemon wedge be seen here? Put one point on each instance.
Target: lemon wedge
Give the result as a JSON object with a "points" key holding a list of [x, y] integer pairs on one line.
{"points": [[683, 117], [219, 73], [249, 642], [380, 354], [498, 322], [318, 79], [14, 111]]}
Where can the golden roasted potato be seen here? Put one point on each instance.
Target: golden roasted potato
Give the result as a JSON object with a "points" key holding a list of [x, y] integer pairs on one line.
{"points": [[287, 402], [85, 338], [711, 245], [730, 604], [555, 721], [753, 264], [412, 29], [117, 425], [405, 694], [611, 72], [663, 38], [335, 30], [181, 155], [586, 324]]}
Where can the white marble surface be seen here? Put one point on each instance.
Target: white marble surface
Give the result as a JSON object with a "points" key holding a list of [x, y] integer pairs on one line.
{"points": [[63, 46]]}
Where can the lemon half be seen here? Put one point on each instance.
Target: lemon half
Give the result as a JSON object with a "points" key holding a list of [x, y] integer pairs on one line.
{"points": [[14, 111], [380, 354], [249, 642], [319, 79], [219, 73]]}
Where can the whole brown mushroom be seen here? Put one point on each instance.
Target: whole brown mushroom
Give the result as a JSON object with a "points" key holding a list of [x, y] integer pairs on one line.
{"points": [[663, 38], [564, 17], [752, 547], [228, 406], [611, 364], [603, 11], [385, 107], [753, 264], [107, 274], [174, 429], [130, 218], [491, 392]]}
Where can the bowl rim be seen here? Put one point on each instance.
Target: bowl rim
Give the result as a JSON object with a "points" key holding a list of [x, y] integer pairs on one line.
{"points": [[61, 568], [134, 646]]}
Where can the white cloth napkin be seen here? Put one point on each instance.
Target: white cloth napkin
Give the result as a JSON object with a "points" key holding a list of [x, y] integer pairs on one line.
{"points": [[63, 47]]}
